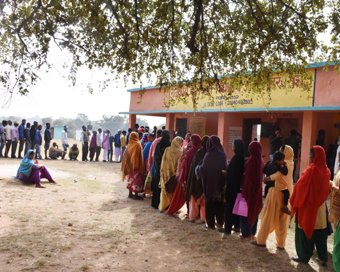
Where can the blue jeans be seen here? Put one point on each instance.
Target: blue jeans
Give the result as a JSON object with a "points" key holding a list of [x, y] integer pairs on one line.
{"points": [[38, 154], [65, 147], [246, 229], [121, 156], [110, 154]]}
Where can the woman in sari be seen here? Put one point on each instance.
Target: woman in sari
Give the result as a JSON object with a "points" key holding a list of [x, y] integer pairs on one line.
{"points": [[157, 161], [309, 203], [234, 179], [30, 172], [178, 199], [194, 191], [334, 217], [273, 218], [210, 171], [252, 190], [133, 167], [168, 170]]}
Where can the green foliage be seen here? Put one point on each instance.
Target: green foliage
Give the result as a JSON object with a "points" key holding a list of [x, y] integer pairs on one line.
{"points": [[199, 43]]}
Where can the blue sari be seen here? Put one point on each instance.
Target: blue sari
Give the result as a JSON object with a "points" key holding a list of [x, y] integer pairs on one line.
{"points": [[26, 165]]}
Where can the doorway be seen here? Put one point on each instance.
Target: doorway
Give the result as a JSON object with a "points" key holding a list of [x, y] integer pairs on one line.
{"points": [[181, 127], [251, 131], [286, 125]]}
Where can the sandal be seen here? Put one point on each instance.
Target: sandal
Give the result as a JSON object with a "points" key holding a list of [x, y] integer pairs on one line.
{"points": [[320, 262], [236, 229], [191, 221], [297, 259], [256, 244], [249, 238]]}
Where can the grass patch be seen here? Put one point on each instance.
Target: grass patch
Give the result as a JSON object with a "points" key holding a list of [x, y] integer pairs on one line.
{"points": [[86, 267]]}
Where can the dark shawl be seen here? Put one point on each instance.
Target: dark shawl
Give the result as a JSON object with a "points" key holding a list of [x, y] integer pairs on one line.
{"points": [[235, 173], [252, 181], [188, 158], [215, 160], [194, 184], [159, 151]]}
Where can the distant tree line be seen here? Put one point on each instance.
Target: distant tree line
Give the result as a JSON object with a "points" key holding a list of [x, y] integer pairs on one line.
{"points": [[111, 122]]}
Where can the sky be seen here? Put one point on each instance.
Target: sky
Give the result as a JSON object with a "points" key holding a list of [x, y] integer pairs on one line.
{"points": [[53, 96]]}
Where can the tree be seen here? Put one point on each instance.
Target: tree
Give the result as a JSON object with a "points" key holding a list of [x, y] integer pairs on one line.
{"points": [[198, 43], [46, 120], [82, 120]]}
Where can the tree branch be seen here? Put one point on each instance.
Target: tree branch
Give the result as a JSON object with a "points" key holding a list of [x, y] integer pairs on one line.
{"points": [[191, 43]]}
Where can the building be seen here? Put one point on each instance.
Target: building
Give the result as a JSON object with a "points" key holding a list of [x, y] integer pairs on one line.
{"points": [[247, 118], [56, 132]]}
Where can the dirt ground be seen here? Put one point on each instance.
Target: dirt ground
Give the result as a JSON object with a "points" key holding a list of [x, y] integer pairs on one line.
{"points": [[91, 225]]}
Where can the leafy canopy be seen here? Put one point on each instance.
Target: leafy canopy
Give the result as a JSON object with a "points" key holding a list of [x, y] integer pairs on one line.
{"points": [[174, 42]]}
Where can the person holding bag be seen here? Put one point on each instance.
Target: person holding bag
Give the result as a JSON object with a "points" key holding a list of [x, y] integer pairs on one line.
{"points": [[252, 190], [168, 181]]}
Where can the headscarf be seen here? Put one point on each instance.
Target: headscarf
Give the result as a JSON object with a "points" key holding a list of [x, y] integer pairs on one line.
{"points": [[169, 160], [160, 148], [152, 153], [311, 191], [146, 151], [252, 181], [235, 172], [26, 164], [194, 184], [133, 157], [189, 156], [215, 160], [186, 140], [289, 159], [144, 139]]}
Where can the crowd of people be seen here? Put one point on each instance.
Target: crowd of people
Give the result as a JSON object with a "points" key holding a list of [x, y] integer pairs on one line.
{"points": [[194, 173]]}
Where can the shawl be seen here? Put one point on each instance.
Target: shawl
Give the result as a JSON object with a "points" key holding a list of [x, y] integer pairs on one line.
{"points": [[93, 140], [252, 181], [159, 151], [186, 140], [26, 164], [133, 157], [288, 179], [144, 140], [146, 151], [215, 160], [194, 184], [169, 160], [152, 153], [311, 191], [235, 172], [189, 156], [334, 210]]}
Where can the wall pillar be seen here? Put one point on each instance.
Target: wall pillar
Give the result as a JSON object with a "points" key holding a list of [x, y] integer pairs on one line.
{"points": [[132, 121], [309, 135], [170, 123], [223, 129]]}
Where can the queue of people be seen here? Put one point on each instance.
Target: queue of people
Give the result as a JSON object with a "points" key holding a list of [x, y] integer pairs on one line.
{"points": [[195, 173]]}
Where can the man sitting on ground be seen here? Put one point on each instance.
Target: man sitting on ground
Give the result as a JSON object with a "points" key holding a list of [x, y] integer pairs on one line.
{"points": [[55, 152], [74, 152]]}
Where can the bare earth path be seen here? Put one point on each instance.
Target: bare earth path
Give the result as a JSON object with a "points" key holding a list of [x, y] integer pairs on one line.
{"points": [[91, 225]]}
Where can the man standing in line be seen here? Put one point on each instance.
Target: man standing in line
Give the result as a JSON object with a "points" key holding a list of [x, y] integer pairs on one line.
{"points": [[275, 142], [118, 145], [64, 141], [47, 139], [111, 140], [99, 143], [123, 143], [8, 137], [15, 139], [32, 133], [38, 142], [3, 136], [28, 140], [84, 138], [21, 138]]}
